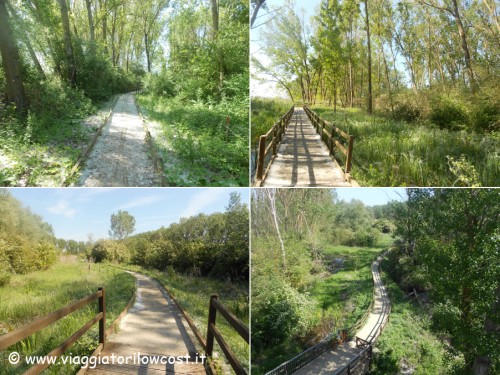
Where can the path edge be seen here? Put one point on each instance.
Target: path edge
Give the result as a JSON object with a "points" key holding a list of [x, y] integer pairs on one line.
{"points": [[112, 328], [91, 145]]}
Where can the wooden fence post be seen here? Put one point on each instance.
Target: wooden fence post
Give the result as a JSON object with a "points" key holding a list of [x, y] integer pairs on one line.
{"points": [[348, 162], [102, 322], [261, 156], [275, 139], [211, 320]]}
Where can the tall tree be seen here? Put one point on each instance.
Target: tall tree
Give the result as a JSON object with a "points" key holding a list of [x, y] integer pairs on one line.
{"points": [[122, 225], [70, 57], [368, 42], [11, 62]]}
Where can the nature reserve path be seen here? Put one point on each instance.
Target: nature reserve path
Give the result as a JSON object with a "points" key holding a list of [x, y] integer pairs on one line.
{"points": [[333, 360], [302, 158], [120, 155], [153, 327]]}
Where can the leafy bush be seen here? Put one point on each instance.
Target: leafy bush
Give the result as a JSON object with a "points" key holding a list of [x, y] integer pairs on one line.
{"points": [[485, 115], [449, 114], [160, 84], [280, 312], [406, 112]]}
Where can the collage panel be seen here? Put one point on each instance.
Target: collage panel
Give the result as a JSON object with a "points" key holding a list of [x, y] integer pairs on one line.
{"points": [[129, 281], [375, 93], [129, 93], [375, 281]]}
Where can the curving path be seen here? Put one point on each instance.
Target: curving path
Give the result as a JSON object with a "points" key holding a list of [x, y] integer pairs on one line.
{"points": [[120, 155], [302, 158], [153, 327], [333, 360]]}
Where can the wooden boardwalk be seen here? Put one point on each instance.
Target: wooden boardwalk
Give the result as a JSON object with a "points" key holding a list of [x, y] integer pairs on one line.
{"points": [[153, 328], [334, 360], [302, 158]]}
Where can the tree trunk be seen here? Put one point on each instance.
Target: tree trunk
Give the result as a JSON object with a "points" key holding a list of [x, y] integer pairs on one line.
{"points": [[11, 63], [370, 98], [104, 10], [465, 47], [91, 20], [215, 37], [256, 11], [146, 49], [70, 58]]}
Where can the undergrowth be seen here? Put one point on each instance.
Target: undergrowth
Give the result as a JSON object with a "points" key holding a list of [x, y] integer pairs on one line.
{"points": [[29, 296], [202, 143], [408, 343], [394, 153]]}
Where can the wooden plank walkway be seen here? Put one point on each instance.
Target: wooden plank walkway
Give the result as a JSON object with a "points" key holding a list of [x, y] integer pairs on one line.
{"points": [[333, 360], [152, 328], [302, 158]]}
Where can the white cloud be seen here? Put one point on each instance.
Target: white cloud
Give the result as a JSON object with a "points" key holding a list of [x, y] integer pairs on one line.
{"points": [[142, 201], [62, 208], [201, 200]]}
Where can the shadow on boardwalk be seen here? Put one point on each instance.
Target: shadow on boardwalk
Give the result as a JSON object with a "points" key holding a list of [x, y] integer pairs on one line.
{"points": [[302, 158], [153, 329]]}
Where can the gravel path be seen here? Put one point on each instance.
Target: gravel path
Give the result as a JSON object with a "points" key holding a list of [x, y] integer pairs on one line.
{"points": [[120, 155], [153, 328]]}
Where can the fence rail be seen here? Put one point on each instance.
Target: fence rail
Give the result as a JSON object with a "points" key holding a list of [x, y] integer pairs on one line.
{"points": [[21, 333], [213, 333], [269, 143], [332, 136]]}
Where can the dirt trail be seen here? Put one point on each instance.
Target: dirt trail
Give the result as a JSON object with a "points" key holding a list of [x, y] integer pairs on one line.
{"points": [[120, 155], [153, 327], [302, 158], [333, 360]]}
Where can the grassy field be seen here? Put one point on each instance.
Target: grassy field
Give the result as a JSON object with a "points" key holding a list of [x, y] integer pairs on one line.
{"points": [[341, 297], [196, 144], [408, 341], [27, 297], [394, 153], [193, 294]]}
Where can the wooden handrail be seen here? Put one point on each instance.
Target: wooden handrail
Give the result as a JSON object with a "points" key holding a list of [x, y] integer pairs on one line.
{"points": [[321, 126], [213, 333], [21, 333], [275, 135]]}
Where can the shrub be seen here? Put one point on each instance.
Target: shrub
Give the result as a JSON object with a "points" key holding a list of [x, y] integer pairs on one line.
{"points": [[406, 112], [449, 114], [160, 84]]}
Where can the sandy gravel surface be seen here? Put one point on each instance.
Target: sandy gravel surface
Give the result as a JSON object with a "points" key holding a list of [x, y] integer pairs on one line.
{"points": [[120, 156]]}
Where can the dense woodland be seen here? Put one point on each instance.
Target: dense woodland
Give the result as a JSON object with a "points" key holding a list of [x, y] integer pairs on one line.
{"points": [[442, 271], [26, 241], [62, 58]]}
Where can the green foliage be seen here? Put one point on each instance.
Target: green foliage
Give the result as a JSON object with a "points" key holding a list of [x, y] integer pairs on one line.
{"points": [[265, 113], [278, 313], [197, 145], [30, 296], [390, 153], [122, 225], [406, 112], [448, 113]]}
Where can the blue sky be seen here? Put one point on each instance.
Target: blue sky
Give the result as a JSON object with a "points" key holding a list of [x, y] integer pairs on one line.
{"points": [[371, 196], [74, 212]]}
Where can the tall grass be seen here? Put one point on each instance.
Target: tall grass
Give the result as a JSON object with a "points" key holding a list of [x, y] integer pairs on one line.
{"points": [[27, 297], [197, 145], [265, 112], [394, 153], [193, 294]]}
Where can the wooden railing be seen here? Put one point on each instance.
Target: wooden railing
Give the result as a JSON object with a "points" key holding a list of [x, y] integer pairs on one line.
{"points": [[268, 143], [332, 137], [214, 333], [21, 333]]}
